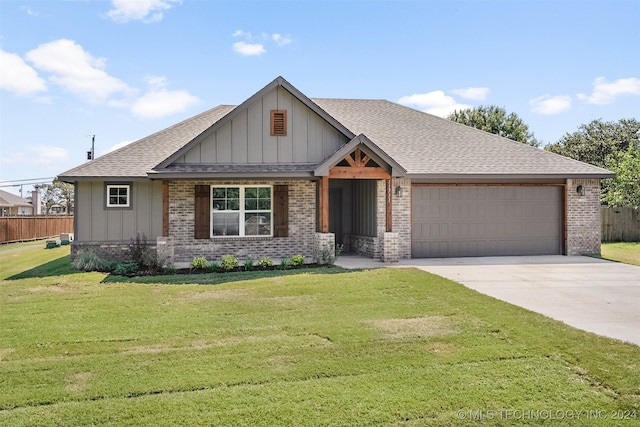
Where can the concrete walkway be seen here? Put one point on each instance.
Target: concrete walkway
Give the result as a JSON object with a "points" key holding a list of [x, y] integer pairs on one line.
{"points": [[588, 293]]}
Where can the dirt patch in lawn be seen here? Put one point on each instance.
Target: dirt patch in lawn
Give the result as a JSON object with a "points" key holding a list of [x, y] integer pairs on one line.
{"points": [[79, 381], [53, 288], [216, 294], [416, 327]]}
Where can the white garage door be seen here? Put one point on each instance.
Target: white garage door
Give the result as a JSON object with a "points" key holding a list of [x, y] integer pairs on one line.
{"points": [[456, 221]]}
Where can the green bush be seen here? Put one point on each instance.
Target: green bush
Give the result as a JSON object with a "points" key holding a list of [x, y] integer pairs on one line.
{"points": [[329, 255], [296, 260], [214, 266], [229, 262], [198, 263], [248, 264], [170, 269], [125, 269], [140, 253], [284, 263], [265, 261]]}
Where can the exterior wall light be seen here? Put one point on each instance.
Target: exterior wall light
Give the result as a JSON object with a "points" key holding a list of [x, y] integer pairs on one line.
{"points": [[580, 190], [399, 191]]}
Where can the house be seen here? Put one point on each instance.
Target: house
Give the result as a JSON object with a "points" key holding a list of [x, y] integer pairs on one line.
{"points": [[11, 204], [283, 174]]}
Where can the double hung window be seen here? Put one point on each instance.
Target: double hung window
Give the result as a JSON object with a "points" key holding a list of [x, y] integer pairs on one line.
{"points": [[241, 210]]}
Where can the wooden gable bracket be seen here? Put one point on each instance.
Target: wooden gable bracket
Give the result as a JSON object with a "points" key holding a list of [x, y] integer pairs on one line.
{"points": [[358, 168]]}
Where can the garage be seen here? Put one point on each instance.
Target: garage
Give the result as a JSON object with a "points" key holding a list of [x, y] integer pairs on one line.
{"points": [[487, 220]]}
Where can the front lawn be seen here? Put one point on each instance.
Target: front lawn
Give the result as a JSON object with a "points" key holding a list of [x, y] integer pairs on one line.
{"points": [[627, 252], [377, 347]]}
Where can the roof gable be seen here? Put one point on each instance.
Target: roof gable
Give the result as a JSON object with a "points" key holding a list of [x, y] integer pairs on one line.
{"points": [[368, 147], [244, 137]]}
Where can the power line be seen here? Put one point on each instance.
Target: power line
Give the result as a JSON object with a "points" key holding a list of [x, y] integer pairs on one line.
{"points": [[48, 178]]}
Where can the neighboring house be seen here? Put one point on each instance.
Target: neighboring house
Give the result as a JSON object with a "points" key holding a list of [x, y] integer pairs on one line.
{"points": [[11, 204], [283, 174]]}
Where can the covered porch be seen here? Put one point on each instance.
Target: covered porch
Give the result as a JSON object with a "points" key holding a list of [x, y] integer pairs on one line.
{"points": [[355, 199]]}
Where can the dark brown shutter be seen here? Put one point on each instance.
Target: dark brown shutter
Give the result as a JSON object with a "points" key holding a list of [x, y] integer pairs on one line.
{"points": [[202, 212], [280, 211]]}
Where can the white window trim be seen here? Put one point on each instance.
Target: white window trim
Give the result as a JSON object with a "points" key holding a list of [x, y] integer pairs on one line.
{"points": [[117, 205], [241, 212]]}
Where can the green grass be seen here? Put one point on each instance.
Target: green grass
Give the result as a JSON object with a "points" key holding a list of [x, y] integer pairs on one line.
{"points": [[628, 253], [379, 347]]}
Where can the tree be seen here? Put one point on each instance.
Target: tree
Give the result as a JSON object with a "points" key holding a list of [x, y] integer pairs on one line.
{"points": [[594, 142], [58, 193], [624, 189], [495, 120]]}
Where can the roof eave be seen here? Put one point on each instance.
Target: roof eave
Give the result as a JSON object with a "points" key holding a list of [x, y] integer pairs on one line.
{"points": [[154, 175], [458, 176]]}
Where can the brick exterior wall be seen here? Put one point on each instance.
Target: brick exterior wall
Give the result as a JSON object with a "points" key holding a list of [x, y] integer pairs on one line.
{"points": [[302, 224], [583, 217], [402, 216], [108, 251]]}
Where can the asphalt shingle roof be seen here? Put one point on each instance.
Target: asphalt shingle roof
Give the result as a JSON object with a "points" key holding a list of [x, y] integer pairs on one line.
{"points": [[138, 158], [429, 145], [423, 144]]}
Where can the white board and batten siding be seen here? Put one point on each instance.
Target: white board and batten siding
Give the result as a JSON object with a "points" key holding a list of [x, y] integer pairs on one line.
{"points": [[459, 221], [246, 138]]}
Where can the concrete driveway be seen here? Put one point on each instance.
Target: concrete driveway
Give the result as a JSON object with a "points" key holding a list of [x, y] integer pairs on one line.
{"points": [[588, 293]]}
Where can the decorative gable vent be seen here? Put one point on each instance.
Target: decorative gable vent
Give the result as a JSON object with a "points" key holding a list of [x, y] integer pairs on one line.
{"points": [[278, 122]]}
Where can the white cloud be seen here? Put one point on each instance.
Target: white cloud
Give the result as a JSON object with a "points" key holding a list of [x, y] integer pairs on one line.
{"points": [[255, 46], [139, 10], [605, 93], [160, 102], [435, 102], [77, 71], [249, 49], [281, 40], [474, 93], [29, 11], [46, 157], [18, 77], [548, 104]]}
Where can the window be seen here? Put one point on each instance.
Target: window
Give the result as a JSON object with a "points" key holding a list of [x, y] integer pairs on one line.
{"points": [[118, 196], [278, 122], [241, 211]]}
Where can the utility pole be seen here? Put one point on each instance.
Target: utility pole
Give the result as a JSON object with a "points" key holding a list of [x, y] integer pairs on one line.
{"points": [[92, 154]]}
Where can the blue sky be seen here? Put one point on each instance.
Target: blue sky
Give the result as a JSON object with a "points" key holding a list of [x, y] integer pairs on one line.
{"points": [[123, 69]]}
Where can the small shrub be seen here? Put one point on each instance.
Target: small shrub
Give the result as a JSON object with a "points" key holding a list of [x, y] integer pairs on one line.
{"points": [[296, 260], [88, 261], [248, 264], [125, 269], [229, 262], [109, 266], [264, 262], [170, 269], [284, 263], [140, 253], [329, 255], [198, 263], [214, 266]]}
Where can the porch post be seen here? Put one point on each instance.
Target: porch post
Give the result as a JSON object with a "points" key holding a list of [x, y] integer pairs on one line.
{"points": [[389, 206], [323, 204]]}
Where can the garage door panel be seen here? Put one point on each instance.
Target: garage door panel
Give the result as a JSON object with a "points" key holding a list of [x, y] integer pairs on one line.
{"points": [[486, 221]]}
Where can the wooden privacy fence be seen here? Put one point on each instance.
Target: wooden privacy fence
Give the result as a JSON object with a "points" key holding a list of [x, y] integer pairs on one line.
{"points": [[620, 224], [22, 228]]}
